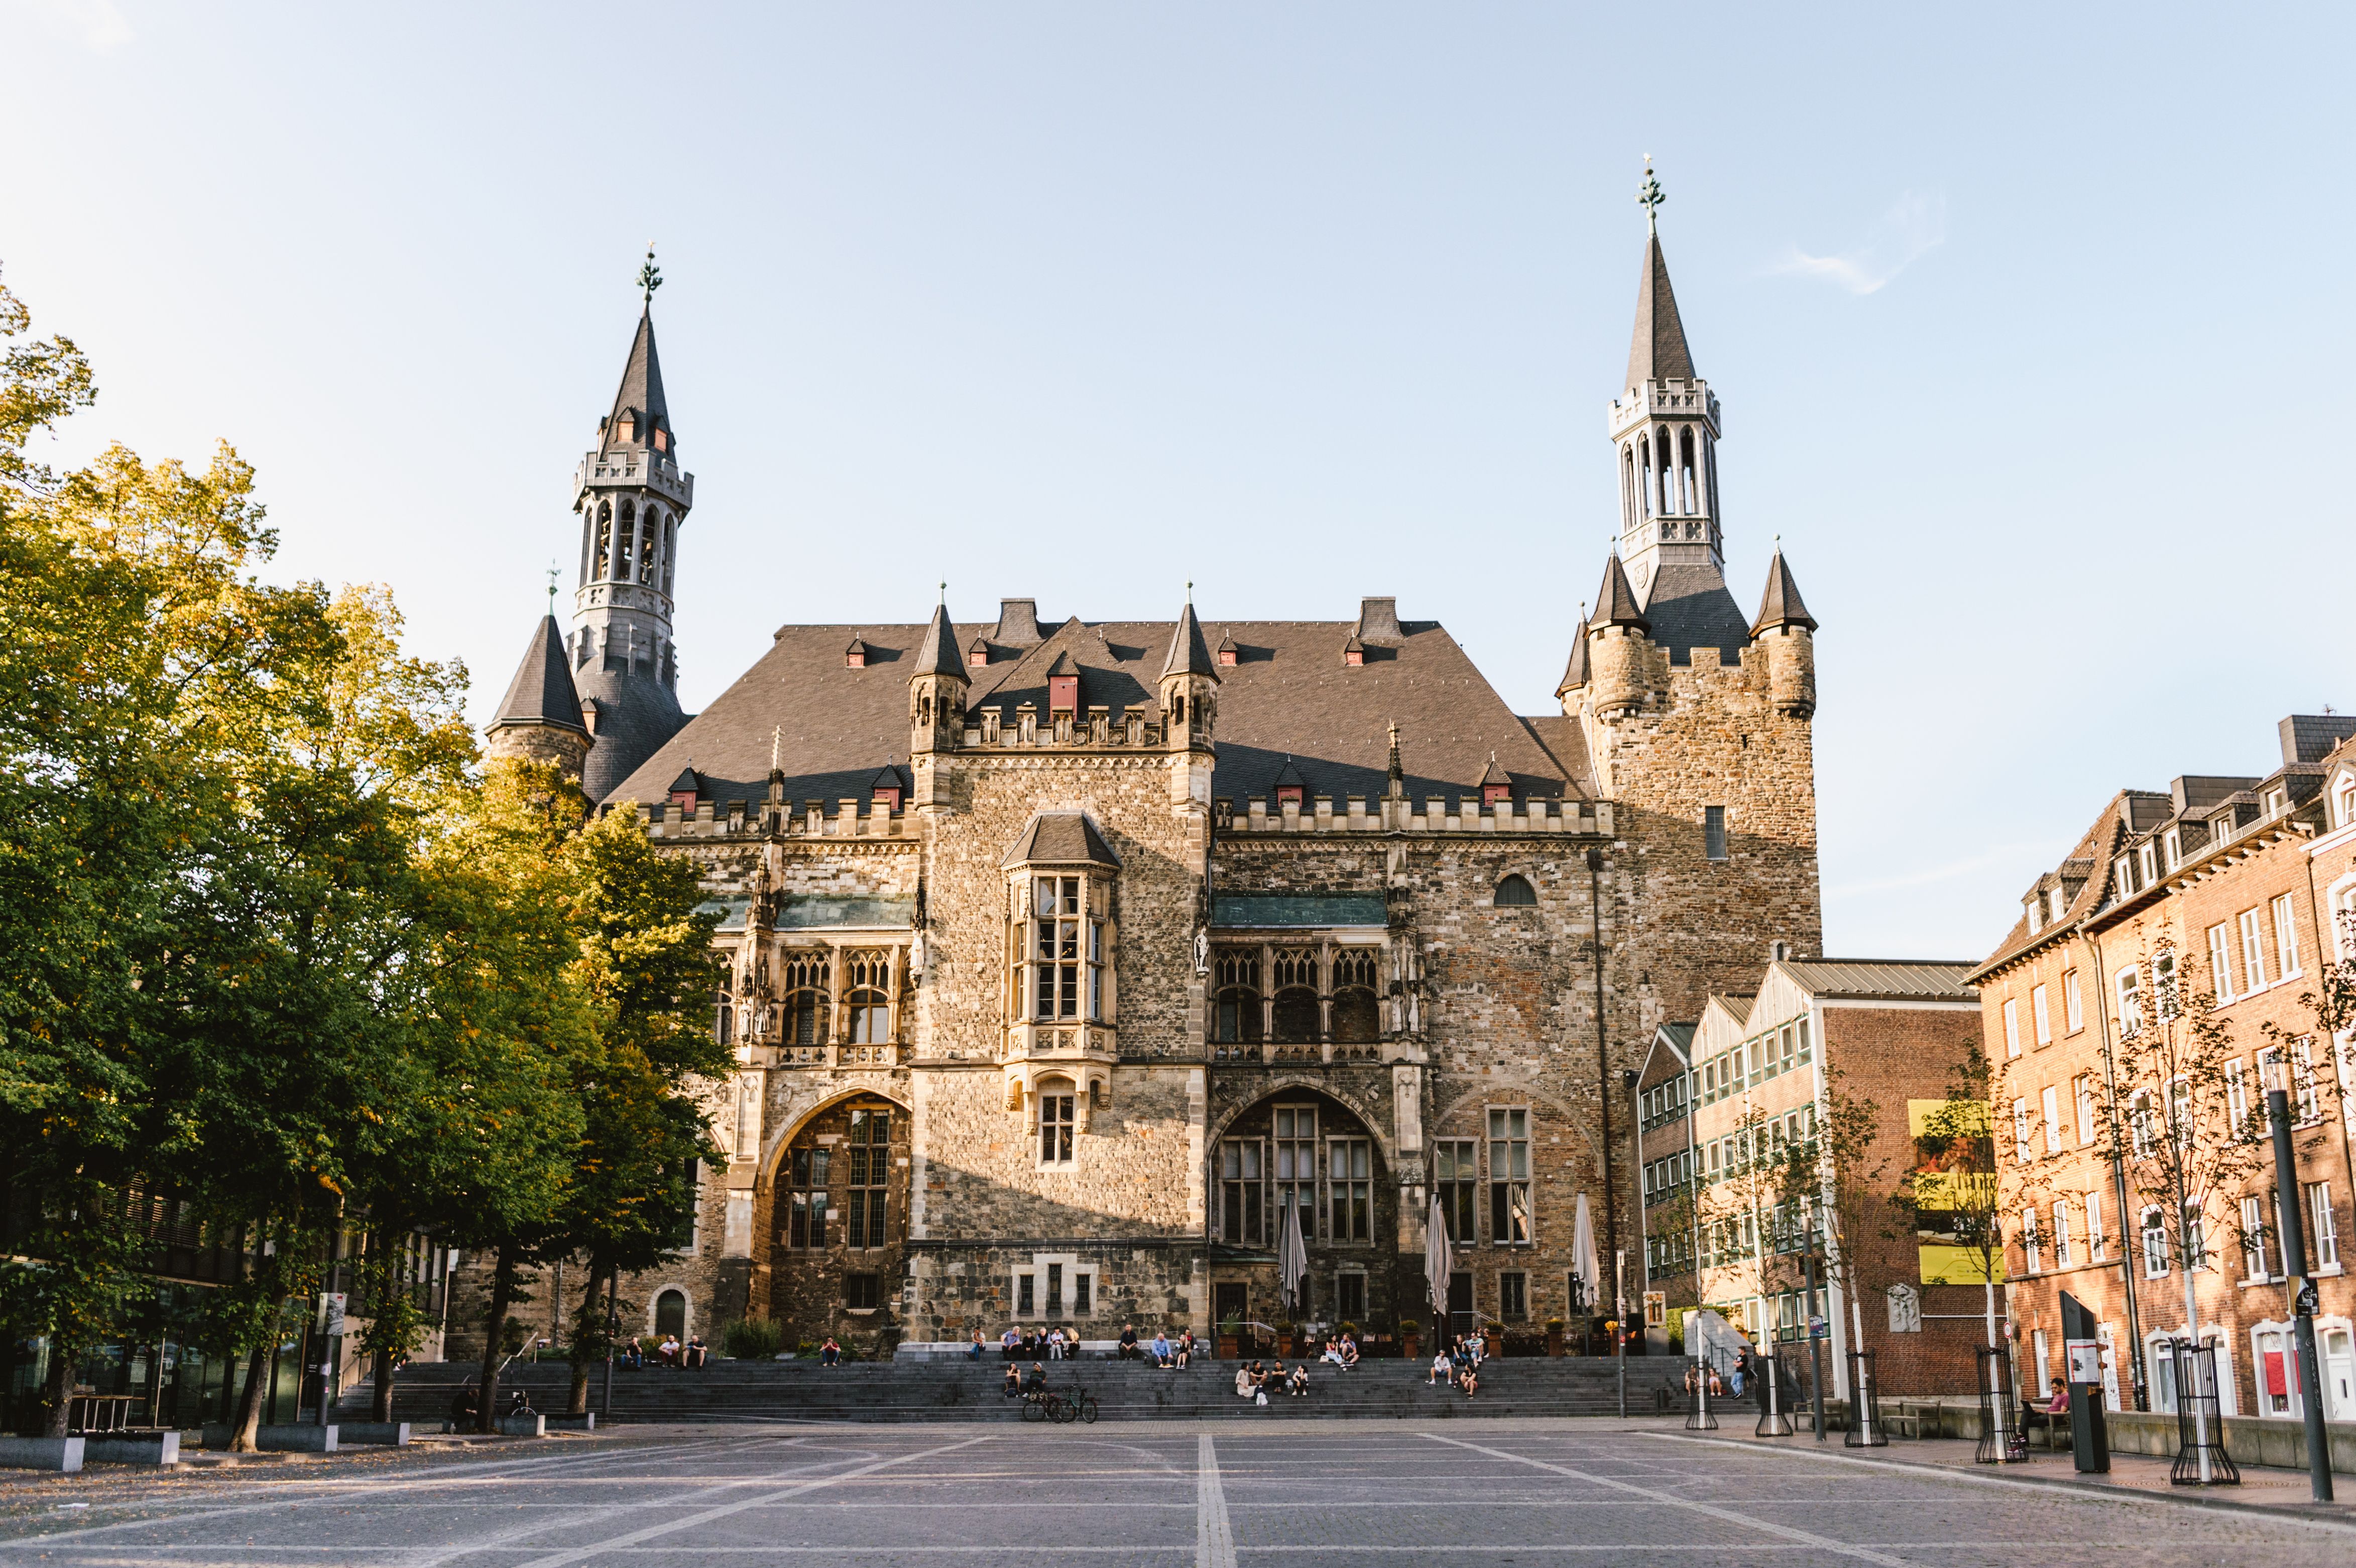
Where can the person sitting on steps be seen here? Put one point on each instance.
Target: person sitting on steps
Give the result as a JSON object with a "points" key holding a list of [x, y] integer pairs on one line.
{"points": [[1298, 1384], [830, 1354], [1128, 1351], [1243, 1381], [1184, 1352], [1014, 1381]]}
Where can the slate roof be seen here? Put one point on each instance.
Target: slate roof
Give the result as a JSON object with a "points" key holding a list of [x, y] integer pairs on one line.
{"points": [[2094, 850], [1615, 604], [1286, 695], [1659, 351], [636, 715], [1574, 669], [1688, 607], [1781, 605], [1061, 838], [1885, 978], [1187, 655], [543, 690], [642, 386], [939, 653]]}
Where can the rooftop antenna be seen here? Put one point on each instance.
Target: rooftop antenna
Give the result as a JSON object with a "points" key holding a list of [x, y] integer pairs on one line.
{"points": [[1648, 196], [649, 277]]}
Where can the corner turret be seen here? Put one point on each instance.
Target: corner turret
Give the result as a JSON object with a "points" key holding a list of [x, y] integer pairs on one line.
{"points": [[1785, 629], [1619, 643], [539, 721], [1190, 684], [936, 689]]}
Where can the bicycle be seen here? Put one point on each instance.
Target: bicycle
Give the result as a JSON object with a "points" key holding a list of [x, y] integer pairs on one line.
{"points": [[1058, 1409]]}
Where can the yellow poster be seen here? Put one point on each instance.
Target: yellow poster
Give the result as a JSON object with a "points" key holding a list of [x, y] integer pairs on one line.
{"points": [[1955, 1190]]}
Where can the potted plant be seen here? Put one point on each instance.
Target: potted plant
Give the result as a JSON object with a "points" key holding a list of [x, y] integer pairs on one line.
{"points": [[1407, 1328], [1554, 1336]]}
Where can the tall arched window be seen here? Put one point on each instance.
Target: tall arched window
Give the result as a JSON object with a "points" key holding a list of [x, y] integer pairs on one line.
{"points": [[671, 1312], [723, 1019], [605, 540], [869, 971], [670, 543], [807, 1003], [1356, 1018], [625, 544], [1297, 1019], [1056, 1098], [1515, 892], [1235, 973]]}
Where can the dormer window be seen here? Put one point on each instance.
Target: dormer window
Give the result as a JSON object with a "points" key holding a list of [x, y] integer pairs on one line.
{"points": [[1228, 651], [2061, 902], [2344, 810], [978, 656], [2123, 876], [885, 788], [1354, 652], [2147, 860], [2274, 802], [1063, 694], [2220, 828], [685, 789], [855, 655], [1288, 794], [2036, 915], [626, 428], [2173, 848], [662, 439], [1291, 787]]}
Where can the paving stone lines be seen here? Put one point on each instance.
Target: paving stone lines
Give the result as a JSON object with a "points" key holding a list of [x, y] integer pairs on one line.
{"points": [[1152, 1494]]}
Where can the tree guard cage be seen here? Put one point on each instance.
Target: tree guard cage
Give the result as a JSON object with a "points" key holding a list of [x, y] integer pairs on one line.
{"points": [[2001, 1442], [1698, 1417], [2200, 1457], [1775, 1394], [1865, 1428]]}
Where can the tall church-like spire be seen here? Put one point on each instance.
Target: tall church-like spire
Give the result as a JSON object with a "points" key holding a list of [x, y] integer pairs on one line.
{"points": [[632, 498]]}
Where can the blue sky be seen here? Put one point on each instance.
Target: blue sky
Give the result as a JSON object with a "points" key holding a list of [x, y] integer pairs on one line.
{"points": [[2030, 324]]}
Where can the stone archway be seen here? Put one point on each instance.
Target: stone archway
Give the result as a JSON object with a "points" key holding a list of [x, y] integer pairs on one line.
{"points": [[1299, 1143], [829, 1249]]}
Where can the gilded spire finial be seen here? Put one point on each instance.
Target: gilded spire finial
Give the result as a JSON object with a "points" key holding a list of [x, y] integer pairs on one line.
{"points": [[649, 278], [945, 592], [1649, 198], [551, 588]]}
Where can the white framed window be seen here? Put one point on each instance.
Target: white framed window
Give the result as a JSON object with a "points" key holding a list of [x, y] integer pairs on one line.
{"points": [[2020, 1130], [2130, 1001], [2042, 1015], [2036, 914], [2012, 1026], [2322, 1229], [2139, 1127], [2032, 1249], [2171, 848], [2221, 962], [1057, 1098], [2123, 876], [2096, 1241], [2061, 1258], [2343, 810], [2253, 954], [1067, 960], [2286, 939], [2237, 1099], [2221, 827], [2154, 1244], [2196, 1238], [2148, 864], [2074, 1006], [2273, 802], [2164, 993], [2051, 1105], [2253, 1239], [2083, 1087], [2305, 1104], [2059, 904]]}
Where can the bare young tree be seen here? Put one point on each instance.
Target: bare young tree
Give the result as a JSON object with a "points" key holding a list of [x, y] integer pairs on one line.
{"points": [[2176, 1122], [1838, 1171], [1747, 1220]]}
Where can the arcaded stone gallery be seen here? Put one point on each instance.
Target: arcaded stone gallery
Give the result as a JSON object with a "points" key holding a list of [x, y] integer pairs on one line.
{"points": [[1068, 960]]}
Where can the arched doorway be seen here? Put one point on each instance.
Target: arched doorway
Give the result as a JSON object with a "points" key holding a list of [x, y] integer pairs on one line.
{"points": [[1301, 1151], [839, 1225], [671, 1314]]}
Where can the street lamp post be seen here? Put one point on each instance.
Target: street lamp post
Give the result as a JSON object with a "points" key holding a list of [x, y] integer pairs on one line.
{"points": [[2303, 1301]]}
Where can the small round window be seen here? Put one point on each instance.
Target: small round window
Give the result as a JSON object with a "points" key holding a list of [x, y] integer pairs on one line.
{"points": [[1515, 892]]}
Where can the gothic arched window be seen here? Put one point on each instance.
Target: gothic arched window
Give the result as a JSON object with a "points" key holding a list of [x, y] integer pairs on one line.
{"points": [[1298, 1017], [1236, 972], [605, 540], [1357, 1020], [807, 1001], [869, 971], [1515, 892], [671, 542], [625, 545], [723, 1019]]}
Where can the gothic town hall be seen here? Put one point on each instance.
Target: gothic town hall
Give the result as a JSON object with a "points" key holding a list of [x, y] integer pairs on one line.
{"points": [[1065, 957]]}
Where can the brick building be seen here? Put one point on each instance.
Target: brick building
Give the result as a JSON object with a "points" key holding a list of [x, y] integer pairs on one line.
{"points": [[1723, 1101], [2223, 895], [1065, 957]]}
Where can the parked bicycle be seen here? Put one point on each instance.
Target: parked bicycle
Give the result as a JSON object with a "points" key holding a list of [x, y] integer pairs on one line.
{"points": [[1060, 1408]]}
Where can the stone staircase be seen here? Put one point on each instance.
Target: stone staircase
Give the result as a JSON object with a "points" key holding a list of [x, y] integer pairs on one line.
{"points": [[966, 1390]]}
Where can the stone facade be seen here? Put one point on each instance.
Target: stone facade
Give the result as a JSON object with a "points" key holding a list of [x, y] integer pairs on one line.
{"points": [[1146, 935]]}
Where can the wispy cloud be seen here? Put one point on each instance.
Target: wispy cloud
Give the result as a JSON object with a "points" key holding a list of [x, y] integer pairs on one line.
{"points": [[1914, 227], [97, 24]]}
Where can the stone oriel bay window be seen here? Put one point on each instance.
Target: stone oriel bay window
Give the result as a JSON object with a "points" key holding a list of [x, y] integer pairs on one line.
{"points": [[1060, 995]]}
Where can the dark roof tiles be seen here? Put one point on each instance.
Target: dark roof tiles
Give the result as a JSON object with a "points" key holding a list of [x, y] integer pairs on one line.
{"points": [[542, 691]]}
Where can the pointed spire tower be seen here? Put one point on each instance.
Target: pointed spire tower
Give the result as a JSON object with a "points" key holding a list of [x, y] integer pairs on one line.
{"points": [[632, 498], [540, 719], [1189, 683], [1666, 424]]}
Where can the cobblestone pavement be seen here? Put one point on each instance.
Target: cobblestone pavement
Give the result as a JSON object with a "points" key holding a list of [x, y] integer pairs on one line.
{"points": [[1458, 1492]]}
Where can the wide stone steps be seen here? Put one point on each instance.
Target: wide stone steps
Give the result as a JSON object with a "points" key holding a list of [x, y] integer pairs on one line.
{"points": [[956, 1391]]}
